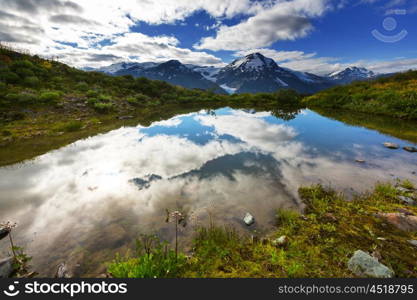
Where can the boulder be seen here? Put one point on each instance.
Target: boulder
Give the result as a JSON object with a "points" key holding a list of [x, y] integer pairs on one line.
{"points": [[413, 242], [281, 241], [407, 201], [391, 145], [6, 267], [410, 149], [364, 265], [249, 219], [401, 221]]}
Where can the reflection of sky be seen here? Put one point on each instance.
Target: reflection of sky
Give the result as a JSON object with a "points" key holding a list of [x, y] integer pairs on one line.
{"points": [[98, 193]]}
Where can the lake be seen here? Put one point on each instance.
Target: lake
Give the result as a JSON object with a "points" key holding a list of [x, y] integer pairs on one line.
{"points": [[85, 202]]}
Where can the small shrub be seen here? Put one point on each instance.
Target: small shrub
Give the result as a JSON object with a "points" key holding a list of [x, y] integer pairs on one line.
{"points": [[10, 77], [32, 81], [103, 107], [27, 98], [70, 126], [49, 97], [92, 93], [82, 86]]}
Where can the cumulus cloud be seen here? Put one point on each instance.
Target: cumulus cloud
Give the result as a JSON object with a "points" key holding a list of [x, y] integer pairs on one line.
{"points": [[80, 32], [285, 20]]}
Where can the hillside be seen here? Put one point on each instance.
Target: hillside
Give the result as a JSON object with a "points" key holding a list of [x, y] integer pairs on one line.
{"points": [[394, 96]]}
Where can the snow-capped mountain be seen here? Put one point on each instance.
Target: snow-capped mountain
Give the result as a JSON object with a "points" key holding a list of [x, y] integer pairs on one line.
{"points": [[351, 74], [172, 71], [256, 73], [253, 73], [126, 67]]}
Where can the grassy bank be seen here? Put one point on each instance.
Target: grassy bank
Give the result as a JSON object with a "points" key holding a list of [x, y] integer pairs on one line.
{"points": [[318, 242], [394, 96]]}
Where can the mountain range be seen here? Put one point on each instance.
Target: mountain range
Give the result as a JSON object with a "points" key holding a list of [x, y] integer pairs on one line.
{"points": [[253, 73]]}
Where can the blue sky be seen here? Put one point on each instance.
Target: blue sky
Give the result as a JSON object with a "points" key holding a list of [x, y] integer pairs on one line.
{"points": [[319, 36]]}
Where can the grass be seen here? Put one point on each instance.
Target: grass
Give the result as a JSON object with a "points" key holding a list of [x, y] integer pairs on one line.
{"points": [[154, 260], [394, 96], [320, 241]]}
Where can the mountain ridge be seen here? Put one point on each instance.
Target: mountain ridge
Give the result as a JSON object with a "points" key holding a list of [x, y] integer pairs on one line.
{"points": [[253, 73]]}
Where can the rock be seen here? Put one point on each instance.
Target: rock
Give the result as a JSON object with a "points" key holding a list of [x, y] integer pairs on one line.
{"points": [[125, 117], [407, 201], [62, 271], [4, 232], [6, 267], [361, 161], [391, 145], [410, 149], [403, 190], [364, 265], [405, 212], [413, 242], [249, 219], [281, 241], [401, 221]]}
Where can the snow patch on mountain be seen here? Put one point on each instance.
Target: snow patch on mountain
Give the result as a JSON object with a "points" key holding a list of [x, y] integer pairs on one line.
{"points": [[228, 89]]}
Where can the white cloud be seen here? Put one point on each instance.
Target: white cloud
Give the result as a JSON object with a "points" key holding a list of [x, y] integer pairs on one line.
{"points": [[285, 20], [53, 27]]}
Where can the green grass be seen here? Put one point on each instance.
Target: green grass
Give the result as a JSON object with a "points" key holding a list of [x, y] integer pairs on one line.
{"points": [[320, 241], [394, 96], [154, 261]]}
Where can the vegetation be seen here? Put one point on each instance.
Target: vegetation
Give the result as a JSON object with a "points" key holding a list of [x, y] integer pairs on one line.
{"points": [[393, 96], [320, 241]]}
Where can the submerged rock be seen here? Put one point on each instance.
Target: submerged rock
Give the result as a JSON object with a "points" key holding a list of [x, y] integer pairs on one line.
{"points": [[281, 241], [364, 265], [407, 201], [249, 219], [401, 221], [410, 149], [391, 145], [6, 267]]}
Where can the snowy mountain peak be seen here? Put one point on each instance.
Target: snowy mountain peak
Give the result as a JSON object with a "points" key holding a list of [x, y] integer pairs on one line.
{"points": [[253, 61], [355, 73]]}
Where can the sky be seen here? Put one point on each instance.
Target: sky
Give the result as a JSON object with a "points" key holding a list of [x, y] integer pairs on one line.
{"points": [[317, 36]]}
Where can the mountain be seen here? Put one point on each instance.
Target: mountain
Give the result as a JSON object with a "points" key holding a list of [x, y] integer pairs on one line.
{"points": [[352, 74], [256, 73], [253, 73], [173, 72]]}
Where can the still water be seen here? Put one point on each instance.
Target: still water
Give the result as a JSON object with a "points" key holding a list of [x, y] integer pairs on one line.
{"points": [[85, 202]]}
